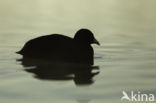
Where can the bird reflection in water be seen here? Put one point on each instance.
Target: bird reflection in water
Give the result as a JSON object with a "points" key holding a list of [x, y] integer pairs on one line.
{"points": [[81, 74]]}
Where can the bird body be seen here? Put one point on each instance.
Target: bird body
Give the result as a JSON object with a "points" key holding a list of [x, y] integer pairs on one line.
{"points": [[61, 48]]}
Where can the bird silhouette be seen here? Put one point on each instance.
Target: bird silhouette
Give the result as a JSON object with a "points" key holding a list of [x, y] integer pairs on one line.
{"points": [[58, 47]]}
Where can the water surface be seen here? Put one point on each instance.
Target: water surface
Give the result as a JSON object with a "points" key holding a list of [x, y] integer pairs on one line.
{"points": [[126, 58]]}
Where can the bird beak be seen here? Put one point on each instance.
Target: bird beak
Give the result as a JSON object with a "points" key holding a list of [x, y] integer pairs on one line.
{"points": [[96, 42]]}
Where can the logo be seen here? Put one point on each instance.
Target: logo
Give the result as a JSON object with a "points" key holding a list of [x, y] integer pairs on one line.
{"points": [[137, 96]]}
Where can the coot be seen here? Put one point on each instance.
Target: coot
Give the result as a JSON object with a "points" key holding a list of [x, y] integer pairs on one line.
{"points": [[58, 47]]}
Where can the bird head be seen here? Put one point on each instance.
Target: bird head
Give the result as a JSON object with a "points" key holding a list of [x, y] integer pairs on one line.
{"points": [[86, 36]]}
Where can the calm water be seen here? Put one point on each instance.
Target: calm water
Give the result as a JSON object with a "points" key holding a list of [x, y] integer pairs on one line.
{"points": [[126, 58]]}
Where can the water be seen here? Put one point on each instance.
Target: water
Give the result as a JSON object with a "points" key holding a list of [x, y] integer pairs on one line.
{"points": [[126, 58]]}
